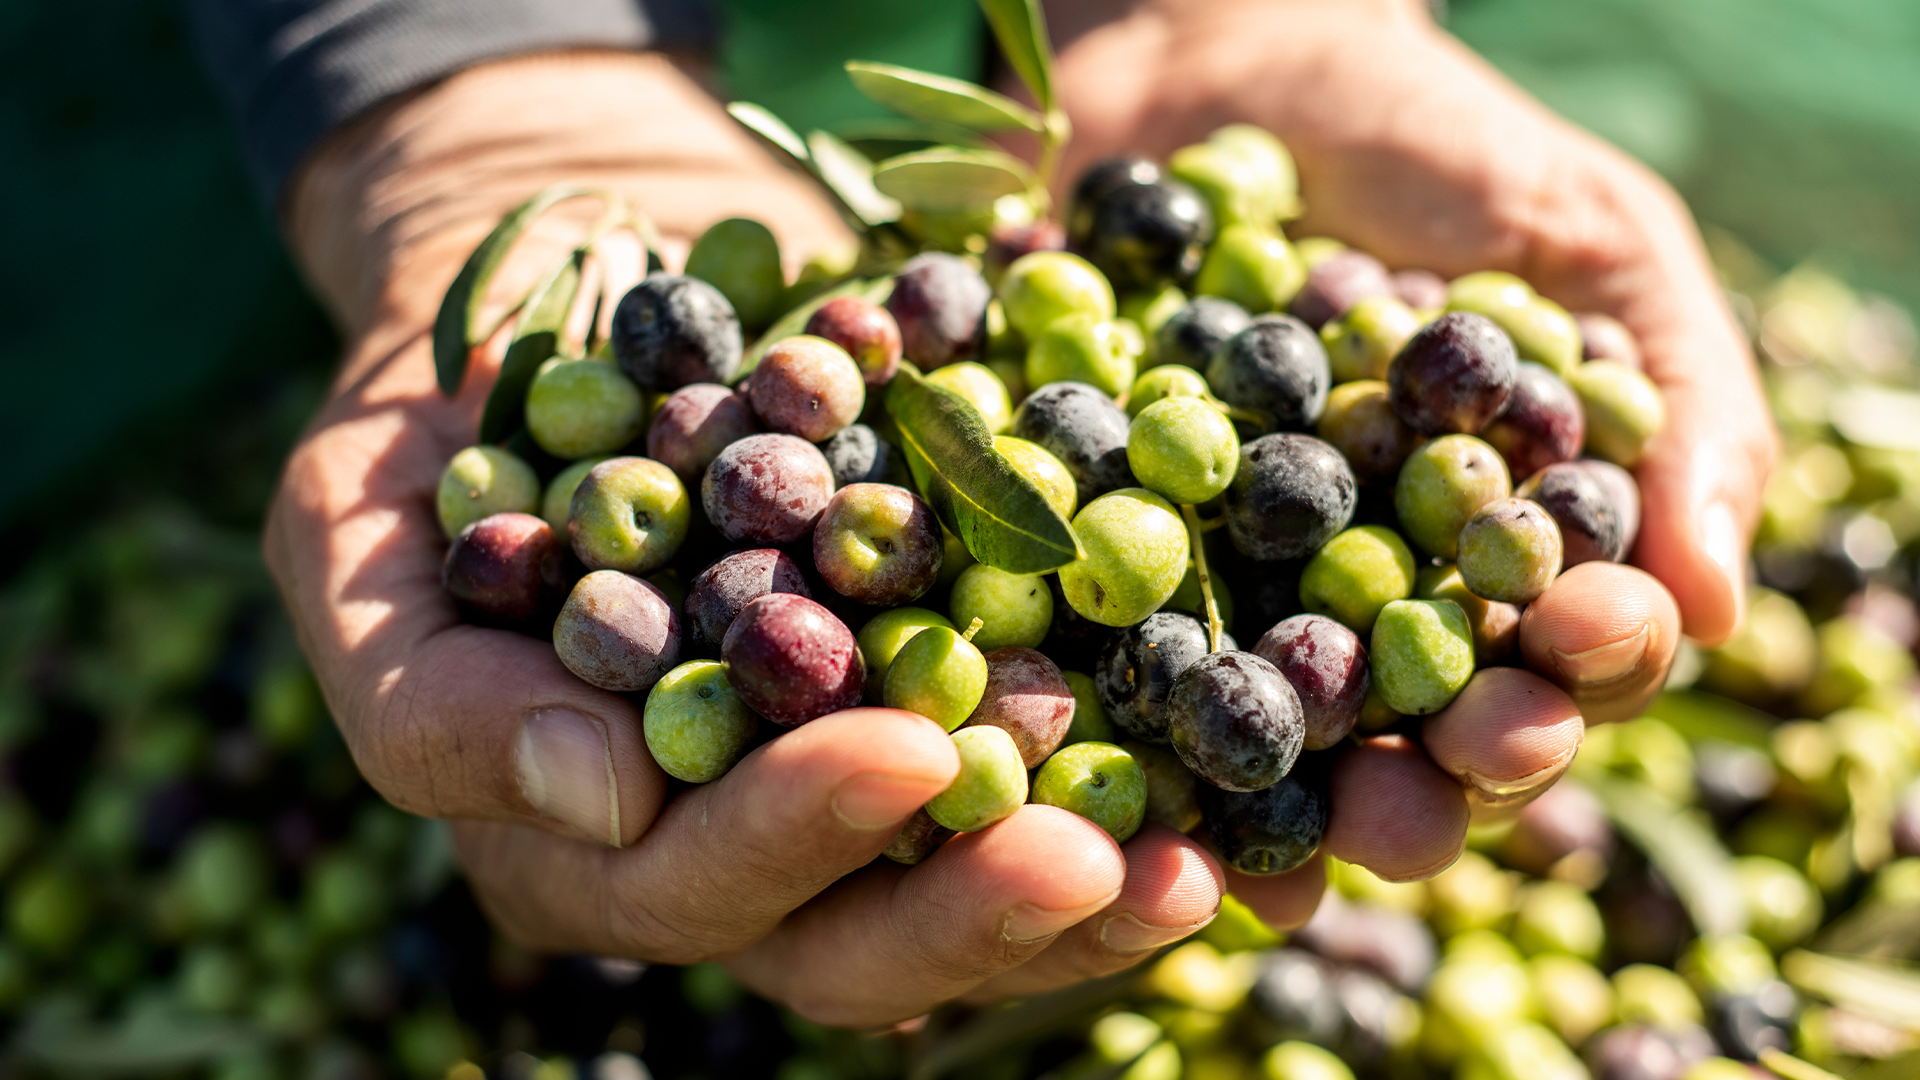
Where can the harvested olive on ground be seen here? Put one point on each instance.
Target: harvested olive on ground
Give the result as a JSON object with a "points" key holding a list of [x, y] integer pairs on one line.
{"points": [[1443, 483], [506, 570], [865, 330], [1290, 494], [791, 660], [1269, 831], [1359, 421], [1099, 781], [766, 489], [1084, 430], [696, 726], [1326, 665], [723, 589], [1135, 552], [877, 544], [939, 674], [671, 330], [1543, 423], [1143, 234], [1422, 655], [1510, 551], [991, 786], [1590, 525], [1453, 376], [694, 424], [617, 632], [484, 480], [940, 305], [1137, 668], [1276, 367], [1235, 721]]}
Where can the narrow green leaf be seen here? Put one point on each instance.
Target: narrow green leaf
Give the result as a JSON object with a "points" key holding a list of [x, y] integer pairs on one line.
{"points": [[950, 178], [795, 320], [761, 121], [1886, 990], [535, 341], [1021, 30], [1682, 845], [899, 129], [456, 328], [1699, 715], [923, 95], [848, 172], [997, 513]]}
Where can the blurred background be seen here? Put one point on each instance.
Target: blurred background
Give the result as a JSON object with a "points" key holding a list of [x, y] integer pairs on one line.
{"points": [[197, 882]]}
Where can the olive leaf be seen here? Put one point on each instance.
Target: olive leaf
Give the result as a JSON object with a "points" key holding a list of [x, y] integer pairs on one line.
{"points": [[951, 178], [457, 329], [795, 321], [899, 129], [848, 172], [1682, 845], [1021, 31], [761, 121], [923, 95], [535, 341], [997, 513], [1886, 990]]}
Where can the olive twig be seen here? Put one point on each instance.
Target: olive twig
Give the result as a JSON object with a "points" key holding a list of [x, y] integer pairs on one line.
{"points": [[1195, 531]]}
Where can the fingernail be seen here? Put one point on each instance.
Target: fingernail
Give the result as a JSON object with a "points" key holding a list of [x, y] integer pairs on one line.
{"points": [[1029, 923], [872, 801], [1491, 794], [1603, 662], [1125, 934], [1721, 540], [565, 766]]}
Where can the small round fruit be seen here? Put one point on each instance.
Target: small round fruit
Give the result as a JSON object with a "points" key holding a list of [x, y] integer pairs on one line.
{"points": [[1326, 665], [671, 330], [1235, 721], [581, 407], [617, 632], [865, 330], [1336, 283], [940, 305], [1421, 290], [1254, 267], [1356, 574], [807, 386], [983, 390], [877, 544], [1102, 179], [1455, 375], [1100, 782], [1543, 423], [858, 455], [1442, 484], [1541, 330], [1361, 344], [1135, 549], [505, 570], [1084, 430], [920, 837], [1144, 234], [629, 513], [694, 424], [1422, 655], [1137, 669], [1590, 525], [1166, 381], [484, 480], [991, 786], [1290, 494], [1276, 367], [1195, 332], [1624, 410], [1028, 696], [1510, 551], [741, 258], [1049, 285], [1242, 183], [766, 489], [557, 503], [1360, 422], [1013, 609], [938, 674], [1078, 347], [1269, 831], [1089, 715], [1603, 337], [883, 636], [1184, 449], [1496, 626], [1043, 470], [1171, 797], [791, 660], [695, 723], [722, 590]]}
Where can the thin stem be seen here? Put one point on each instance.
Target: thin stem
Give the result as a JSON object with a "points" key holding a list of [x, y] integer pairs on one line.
{"points": [[973, 628], [1195, 537], [1235, 412]]}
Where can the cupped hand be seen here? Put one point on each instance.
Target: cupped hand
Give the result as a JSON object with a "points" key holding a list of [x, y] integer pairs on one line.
{"points": [[1413, 149]]}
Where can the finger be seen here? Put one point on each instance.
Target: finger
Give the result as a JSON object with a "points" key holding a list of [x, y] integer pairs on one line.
{"points": [[890, 942], [1506, 738], [1606, 635], [1394, 811], [1172, 890], [728, 860], [1283, 901]]}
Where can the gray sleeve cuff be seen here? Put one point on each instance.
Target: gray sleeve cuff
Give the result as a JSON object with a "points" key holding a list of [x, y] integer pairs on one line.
{"points": [[294, 69]]}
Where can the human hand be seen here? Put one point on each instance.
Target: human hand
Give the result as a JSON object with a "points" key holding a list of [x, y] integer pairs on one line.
{"points": [[563, 821], [1413, 149]]}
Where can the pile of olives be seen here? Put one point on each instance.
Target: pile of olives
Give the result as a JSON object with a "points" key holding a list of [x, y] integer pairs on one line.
{"points": [[1248, 434]]}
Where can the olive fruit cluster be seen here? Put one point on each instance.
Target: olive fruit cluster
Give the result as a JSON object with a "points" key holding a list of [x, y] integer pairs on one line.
{"points": [[1211, 406]]}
